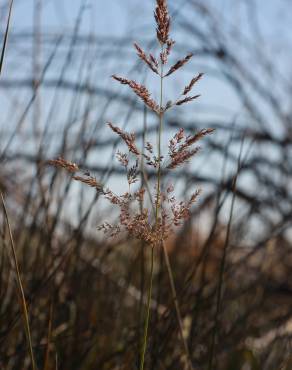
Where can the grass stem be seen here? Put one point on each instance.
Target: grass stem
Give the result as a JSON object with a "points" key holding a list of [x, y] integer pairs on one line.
{"points": [[157, 209], [20, 287]]}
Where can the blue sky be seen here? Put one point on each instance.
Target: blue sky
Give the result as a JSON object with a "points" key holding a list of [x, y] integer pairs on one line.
{"points": [[112, 16], [134, 19], [107, 17]]}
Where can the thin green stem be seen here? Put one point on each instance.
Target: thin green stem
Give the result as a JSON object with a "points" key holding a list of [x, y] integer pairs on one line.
{"points": [[159, 148], [157, 210], [167, 262], [142, 253], [147, 319]]}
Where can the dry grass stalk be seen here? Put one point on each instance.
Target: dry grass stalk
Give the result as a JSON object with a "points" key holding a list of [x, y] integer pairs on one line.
{"points": [[20, 287]]}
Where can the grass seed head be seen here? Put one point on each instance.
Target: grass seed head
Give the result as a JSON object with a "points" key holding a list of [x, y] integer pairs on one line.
{"points": [[63, 163], [178, 65], [162, 19]]}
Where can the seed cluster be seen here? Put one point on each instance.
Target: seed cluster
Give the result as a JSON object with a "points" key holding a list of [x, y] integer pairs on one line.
{"points": [[134, 217]]}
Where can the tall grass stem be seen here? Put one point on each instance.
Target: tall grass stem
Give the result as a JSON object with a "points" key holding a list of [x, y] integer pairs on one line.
{"points": [[20, 287]]}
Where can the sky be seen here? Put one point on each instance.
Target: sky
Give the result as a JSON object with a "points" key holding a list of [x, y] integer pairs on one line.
{"points": [[111, 17], [134, 19], [106, 17]]}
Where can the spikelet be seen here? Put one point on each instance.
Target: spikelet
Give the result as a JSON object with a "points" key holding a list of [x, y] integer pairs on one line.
{"points": [[166, 51], [189, 87], [90, 181], [178, 65], [194, 138], [150, 61], [180, 147], [141, 91], [61, 162], [182, 157], [129, 139], [123, 159], [187, 99]]}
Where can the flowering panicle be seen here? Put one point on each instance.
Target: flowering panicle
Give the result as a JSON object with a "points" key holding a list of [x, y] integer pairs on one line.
{"points": [[137, 223], [141, 91], [149, 60], [122, 158], [134, 218], [129, 139], [180, 147], [155, 224], [132, 174], [181, 211]]}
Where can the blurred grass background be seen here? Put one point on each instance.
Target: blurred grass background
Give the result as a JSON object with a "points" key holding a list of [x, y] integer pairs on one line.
{"points": [[85, 293]]}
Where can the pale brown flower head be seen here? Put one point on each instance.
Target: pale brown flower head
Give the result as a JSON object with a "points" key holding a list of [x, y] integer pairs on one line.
{"points": [[162, 21], [141, 91], [129, 139], [62, 163], [187, 99], [189, 87], [134, 218], [90, 181], [73, 168], [180, 147], [149, 60]]}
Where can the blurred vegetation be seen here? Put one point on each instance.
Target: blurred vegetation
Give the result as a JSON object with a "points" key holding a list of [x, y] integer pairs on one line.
{"points": [[86, 294]]}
